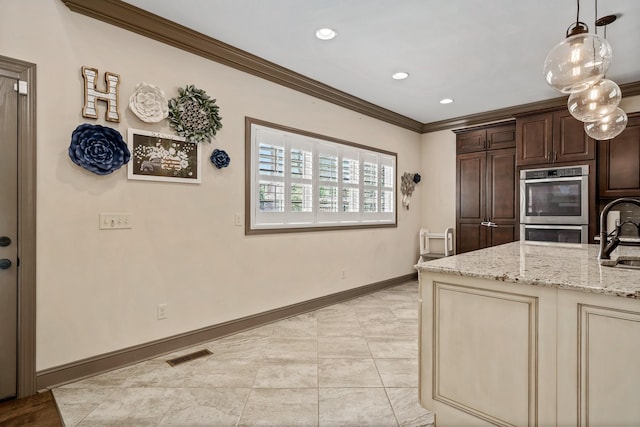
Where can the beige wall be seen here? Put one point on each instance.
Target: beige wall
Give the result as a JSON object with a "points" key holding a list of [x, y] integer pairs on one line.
{"points": [[439, 171], [97, 291], [438, 158]]}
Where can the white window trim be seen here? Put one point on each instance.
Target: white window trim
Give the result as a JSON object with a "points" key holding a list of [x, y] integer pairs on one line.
{"points": [[287, 221]]}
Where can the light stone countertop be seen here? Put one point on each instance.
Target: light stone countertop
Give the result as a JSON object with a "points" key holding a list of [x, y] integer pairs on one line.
{"points": [[566, 266]]}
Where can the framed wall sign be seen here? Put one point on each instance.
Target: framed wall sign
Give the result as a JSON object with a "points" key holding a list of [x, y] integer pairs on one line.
{"points": [[163, 157]]}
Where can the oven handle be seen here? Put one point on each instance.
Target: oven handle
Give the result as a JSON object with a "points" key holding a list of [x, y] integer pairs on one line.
{"points": [[554, 227], [564, 178]]}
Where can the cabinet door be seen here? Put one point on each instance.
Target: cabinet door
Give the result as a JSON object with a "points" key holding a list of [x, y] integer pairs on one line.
{"points": [[471, 141], [470, 237], [501, 137], [502, 207], [570, 142], [470, 204], [487, 352], [534, 136], [619, 163], [598, 352]]}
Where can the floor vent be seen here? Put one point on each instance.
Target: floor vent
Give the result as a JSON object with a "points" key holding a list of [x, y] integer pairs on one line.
{"points": [[188, 357]]}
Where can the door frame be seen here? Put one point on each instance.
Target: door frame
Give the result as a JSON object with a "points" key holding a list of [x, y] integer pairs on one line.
{"points": [[26, 357]]}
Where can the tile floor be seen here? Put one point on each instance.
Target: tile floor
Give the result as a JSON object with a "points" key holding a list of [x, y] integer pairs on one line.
{"points": [[350, 364]]}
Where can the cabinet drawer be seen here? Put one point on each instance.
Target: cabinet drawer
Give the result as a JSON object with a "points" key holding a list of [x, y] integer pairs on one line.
{"points": [[471, 141]]}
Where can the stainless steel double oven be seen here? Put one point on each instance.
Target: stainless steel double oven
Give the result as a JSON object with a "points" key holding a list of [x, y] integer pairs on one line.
{"points": [[554, 204]]}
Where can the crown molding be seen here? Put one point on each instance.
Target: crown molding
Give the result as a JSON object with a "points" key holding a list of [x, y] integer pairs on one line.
{"points": [[629, 89], [131, 18], [139, 21]]}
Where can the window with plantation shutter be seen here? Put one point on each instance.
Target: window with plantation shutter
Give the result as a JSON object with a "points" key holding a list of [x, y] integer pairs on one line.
{"points": [[350, 202], [387, 187], [271, 171], [302, 181]]}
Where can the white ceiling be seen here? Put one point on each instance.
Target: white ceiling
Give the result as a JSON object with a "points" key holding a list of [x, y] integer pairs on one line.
{"points": [[486, 55]]}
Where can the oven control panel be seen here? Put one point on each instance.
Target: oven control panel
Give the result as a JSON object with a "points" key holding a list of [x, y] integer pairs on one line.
{"points": [[555, 173]]}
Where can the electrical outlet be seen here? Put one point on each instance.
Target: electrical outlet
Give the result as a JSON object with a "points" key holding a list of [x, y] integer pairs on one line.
{"points": [[162, 311], [238, 220], [114, 221]]}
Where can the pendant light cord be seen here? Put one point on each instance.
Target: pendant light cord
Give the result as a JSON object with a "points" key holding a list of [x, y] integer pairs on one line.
{"points": [[578, 11], [596, 20]]}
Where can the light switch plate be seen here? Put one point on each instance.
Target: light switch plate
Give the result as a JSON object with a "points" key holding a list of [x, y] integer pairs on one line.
{"points": [[115, 221], [162, 311]]}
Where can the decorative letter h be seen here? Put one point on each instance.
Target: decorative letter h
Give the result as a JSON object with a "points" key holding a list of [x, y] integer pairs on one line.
{"points": [[91, 95]]}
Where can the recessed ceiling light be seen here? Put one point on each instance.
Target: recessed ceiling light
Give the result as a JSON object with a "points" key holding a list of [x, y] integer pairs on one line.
{"points": [[325, 34], [446, 101], [400, 75]]}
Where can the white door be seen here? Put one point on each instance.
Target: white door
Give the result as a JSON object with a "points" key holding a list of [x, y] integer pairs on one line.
{"points": [[8, 236]]}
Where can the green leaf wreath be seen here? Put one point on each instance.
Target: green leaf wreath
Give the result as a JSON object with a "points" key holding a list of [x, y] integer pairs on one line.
{"points": [[194, 115]]}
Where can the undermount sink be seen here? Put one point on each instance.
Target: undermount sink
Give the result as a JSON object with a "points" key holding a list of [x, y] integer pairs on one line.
{"points": [[628, 263], [623, 261]]}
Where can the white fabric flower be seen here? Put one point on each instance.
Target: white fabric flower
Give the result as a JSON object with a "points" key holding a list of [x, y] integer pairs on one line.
{"points": [[149, 103]]}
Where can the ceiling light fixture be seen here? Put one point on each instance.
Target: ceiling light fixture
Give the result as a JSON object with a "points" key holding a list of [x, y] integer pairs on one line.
{"points": [[607, 127], [578, 61], [596, 101], [446, 101], [325, 34], [578, 65], [401, 75]]}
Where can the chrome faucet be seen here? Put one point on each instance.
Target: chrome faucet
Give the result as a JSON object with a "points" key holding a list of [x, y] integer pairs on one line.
{"points": [[607, 246]]}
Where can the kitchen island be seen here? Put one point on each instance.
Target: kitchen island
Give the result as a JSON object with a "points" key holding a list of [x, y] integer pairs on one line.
{"points": [[530, 334]]}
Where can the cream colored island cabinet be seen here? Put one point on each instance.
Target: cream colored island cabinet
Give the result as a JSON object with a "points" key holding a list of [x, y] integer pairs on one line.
{"points": [[526, 335], [598, 360]]}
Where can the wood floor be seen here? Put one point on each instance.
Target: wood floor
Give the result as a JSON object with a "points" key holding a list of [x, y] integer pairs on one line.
{"points": [[37, 410]]}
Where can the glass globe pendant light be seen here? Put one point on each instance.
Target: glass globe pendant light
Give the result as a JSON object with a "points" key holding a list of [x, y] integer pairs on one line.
{"points": [[578, 61], [598, 100], [577, 65], [610, 125], [607, 127]]}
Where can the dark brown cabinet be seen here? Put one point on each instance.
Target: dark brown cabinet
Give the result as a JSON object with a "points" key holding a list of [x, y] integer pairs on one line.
{"points": [[619, 162], [493, 138], [552, 137], [486, 191]]}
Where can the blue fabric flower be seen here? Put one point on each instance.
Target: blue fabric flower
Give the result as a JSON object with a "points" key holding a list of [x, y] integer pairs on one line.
{"points": [[417, 178], [98, 149], [220, 158]]}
